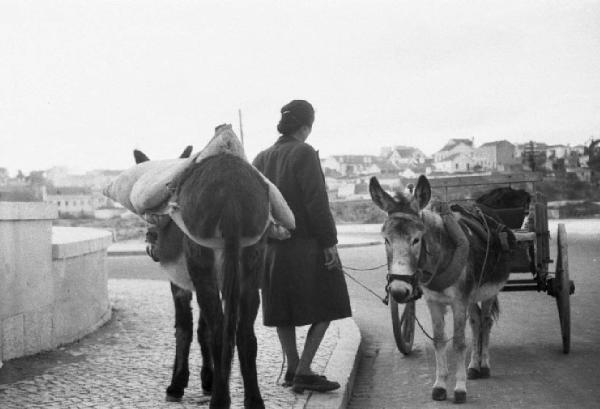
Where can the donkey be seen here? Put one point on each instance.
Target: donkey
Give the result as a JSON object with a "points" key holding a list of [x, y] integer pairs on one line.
{"points": [[218, 245], [421, 257], [165, 245]]}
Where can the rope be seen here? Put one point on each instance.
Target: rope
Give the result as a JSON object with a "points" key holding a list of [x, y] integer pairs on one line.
{"points": [[383, 300], [426, 333], [365, 269], [487, 245], [283, 361]]}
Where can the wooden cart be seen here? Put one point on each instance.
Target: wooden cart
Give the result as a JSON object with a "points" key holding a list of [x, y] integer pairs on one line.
{"points": [[530, 265]]}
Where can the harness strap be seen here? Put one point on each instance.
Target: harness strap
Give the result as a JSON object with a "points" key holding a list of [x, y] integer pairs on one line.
{"points": [[441, 280], [213, 242]]}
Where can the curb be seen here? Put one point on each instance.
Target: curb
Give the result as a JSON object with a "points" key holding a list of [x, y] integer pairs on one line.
{"points": [[342, 366]]}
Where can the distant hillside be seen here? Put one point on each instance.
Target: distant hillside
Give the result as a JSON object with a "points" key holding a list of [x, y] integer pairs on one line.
{"points": [[555, 189]]}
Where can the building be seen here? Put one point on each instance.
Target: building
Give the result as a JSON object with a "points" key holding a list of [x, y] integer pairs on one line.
{"points": [[458, 162], [72, 201], [582, 174], [403, 157], [95, 179], [498, 155], [352, 165], [454, 146]]}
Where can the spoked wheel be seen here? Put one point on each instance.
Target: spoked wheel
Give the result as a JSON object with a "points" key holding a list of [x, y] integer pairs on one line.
{"points": [[403, 322], [562, 288]]}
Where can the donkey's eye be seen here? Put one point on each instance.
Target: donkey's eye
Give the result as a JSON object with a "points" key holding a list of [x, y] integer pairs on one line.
{"points": [[415, 241]]}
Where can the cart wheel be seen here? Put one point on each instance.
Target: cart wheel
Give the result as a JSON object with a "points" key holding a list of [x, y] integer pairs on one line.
{"points": [[404, 325], [562, 288]]}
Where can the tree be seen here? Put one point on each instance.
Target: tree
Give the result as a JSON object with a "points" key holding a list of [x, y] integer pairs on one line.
{"points": [[594, 159], [533, 157]]}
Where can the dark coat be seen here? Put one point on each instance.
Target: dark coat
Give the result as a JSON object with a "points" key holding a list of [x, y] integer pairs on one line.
{"points": [[297, 289]]}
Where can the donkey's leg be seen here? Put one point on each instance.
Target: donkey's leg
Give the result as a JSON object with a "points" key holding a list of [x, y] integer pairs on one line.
{"points": [[184, 333], [246, 339], [206, 373], [210, 303], [200, 265], [246, 344], [459, 313], [475, 322], [489, 309], [437, 311]]}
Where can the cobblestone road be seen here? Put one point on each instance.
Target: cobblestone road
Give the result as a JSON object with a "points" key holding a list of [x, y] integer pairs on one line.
{"points": [[127, 363]]}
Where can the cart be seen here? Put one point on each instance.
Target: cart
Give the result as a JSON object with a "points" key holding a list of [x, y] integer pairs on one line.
{"points": [[530, 265]]}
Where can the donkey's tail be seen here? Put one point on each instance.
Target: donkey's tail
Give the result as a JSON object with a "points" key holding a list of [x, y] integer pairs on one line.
{"points": [[231, 282]]}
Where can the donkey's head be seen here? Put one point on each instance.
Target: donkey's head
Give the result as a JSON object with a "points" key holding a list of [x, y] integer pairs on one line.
{"points": [[403, 233]]}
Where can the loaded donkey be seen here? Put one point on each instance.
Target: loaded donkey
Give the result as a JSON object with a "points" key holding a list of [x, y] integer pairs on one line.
{"points": [[210, 229]]}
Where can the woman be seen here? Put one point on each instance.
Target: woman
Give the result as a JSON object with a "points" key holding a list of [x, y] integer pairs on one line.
{"points": [[304, 283]]}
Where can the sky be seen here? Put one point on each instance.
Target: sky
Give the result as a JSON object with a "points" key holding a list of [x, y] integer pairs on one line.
{"points": [[83, 83]]}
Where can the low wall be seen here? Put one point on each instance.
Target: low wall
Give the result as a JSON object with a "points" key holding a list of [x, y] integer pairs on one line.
{"points": [[53, 281]]}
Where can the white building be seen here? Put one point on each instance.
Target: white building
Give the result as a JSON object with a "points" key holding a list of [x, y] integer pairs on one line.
{"points": [[454, 146], [72, 202], [458, 162], [498, 155]]}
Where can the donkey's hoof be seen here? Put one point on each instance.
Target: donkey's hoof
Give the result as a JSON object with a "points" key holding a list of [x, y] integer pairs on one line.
{"points": [[255, 403], [206, 376], [484, 372], [438, 393], [225, 404], [173, 398], [460, 396], [174, 394], [473, 373]]}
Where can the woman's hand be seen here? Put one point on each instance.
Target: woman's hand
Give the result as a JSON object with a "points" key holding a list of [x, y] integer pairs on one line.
{"points": [[332, 259]]}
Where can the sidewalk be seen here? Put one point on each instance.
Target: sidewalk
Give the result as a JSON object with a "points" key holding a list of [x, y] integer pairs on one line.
{"points": [[127, 363]]}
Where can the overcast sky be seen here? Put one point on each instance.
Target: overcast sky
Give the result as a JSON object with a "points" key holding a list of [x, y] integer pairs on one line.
{"points": [[82, 83]]}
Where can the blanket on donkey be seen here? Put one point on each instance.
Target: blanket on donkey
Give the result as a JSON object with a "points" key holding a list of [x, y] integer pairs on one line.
{"points": [[144, 188], [486, 225]]}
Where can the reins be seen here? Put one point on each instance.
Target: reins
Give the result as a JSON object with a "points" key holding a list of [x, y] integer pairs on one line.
{"points": [[383, 300]]}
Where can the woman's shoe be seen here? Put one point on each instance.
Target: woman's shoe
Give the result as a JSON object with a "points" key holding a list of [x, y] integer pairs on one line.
{"points": [[317, 383]]}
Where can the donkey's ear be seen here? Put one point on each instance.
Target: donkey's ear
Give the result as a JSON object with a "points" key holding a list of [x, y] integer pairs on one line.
{"points": [[422, 193], [380, 197], [186, 152], [140, 156]]}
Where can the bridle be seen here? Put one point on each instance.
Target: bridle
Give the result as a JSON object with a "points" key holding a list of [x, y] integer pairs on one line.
{"points": [[415, 280]]}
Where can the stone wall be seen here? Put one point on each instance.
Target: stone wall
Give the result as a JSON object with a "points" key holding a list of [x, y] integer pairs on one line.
{"points": [[53, 282]]}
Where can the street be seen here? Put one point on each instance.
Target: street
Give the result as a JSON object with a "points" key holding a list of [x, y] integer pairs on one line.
{"points": [[529, 369]]}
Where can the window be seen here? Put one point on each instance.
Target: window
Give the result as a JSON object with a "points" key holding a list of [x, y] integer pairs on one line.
{"points": [[66, 203]]}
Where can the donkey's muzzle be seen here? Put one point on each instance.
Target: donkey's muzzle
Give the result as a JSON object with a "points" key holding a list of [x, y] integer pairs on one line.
{"points": [[403, 288], [400, 291]]}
